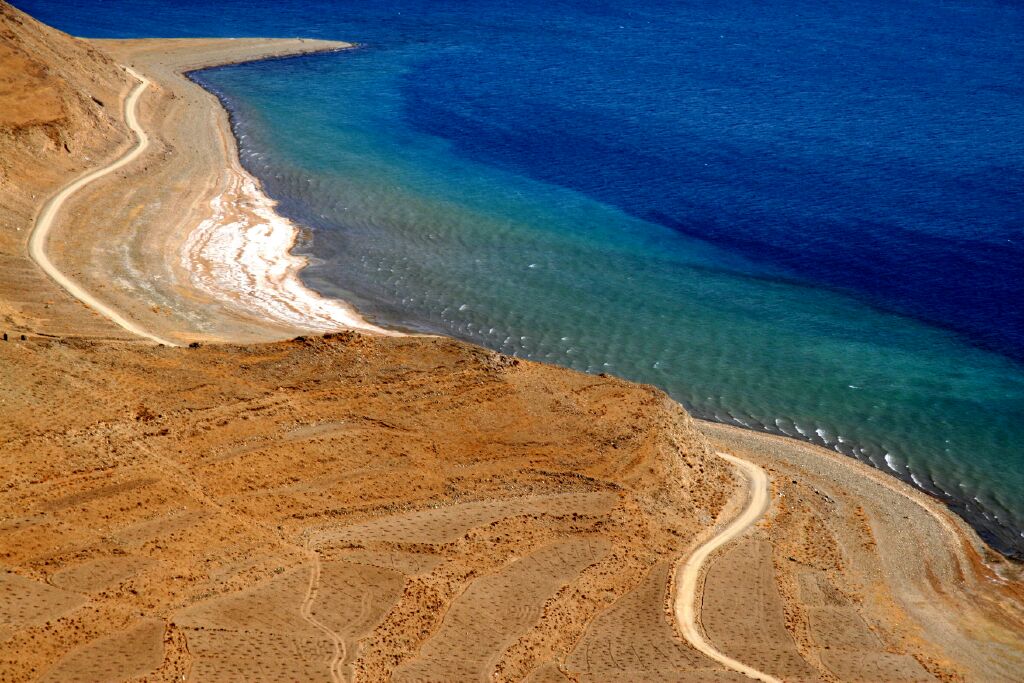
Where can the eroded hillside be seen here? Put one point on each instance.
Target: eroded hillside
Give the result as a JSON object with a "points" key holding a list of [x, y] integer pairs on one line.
{"points": [[60, 114], [344, 492]]}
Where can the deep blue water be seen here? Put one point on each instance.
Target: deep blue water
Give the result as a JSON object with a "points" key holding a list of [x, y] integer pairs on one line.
{"points": [[804, 217]]}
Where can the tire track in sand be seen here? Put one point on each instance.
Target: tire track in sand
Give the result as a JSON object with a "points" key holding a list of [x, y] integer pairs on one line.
{"points": [[688, 574], [44, 221], [306, 612]]}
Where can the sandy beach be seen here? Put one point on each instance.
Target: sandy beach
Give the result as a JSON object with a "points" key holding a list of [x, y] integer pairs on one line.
{"points": [[275, 503], [214, 261]]}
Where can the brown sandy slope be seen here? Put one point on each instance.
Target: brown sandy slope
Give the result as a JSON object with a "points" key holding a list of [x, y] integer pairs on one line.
{"points": [[365, 508], [464, 512], [419, 509], [59, 115]]}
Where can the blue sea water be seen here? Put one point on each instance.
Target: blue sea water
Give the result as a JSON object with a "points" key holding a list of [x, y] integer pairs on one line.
{"points": [[803, 217]]}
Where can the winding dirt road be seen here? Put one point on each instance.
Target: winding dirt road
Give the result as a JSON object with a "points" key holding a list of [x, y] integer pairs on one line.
{"points": [[689, 573], [37, 240]]}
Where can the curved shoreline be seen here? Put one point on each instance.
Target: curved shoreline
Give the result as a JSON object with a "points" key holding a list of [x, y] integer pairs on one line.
{"points": [[242, 254], [984, 526], [239, 254], [244, 250], [192, 249]]}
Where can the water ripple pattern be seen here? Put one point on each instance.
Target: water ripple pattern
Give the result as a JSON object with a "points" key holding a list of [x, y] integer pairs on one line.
{"points": [[800, 217]]}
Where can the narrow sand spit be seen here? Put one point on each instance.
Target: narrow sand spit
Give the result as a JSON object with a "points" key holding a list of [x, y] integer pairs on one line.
{"points": [[689, 573], [37, 242]]}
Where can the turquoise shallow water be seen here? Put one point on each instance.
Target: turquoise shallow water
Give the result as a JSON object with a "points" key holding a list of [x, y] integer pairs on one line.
{"points": [[803, 218], [424, 238]]}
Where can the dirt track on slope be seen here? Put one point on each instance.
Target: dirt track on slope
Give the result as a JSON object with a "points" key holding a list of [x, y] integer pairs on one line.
{"points": [[41, 231], [690, 571]]}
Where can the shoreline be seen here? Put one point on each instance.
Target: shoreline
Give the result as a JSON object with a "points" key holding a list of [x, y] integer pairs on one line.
{"points": [[264, 247], [979, 525], [162, 500], [239, 251], [196, 251], [391, 328], [243, 250], [957, 526]]}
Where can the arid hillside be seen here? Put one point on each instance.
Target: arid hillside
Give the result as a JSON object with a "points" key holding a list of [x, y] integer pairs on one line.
{"points": [[352, 507], [366, 508], [342, 492], [60, 113]]}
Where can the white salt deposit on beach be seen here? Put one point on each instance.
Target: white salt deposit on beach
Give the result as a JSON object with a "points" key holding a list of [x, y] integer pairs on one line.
{"points": [[241, 255]]}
